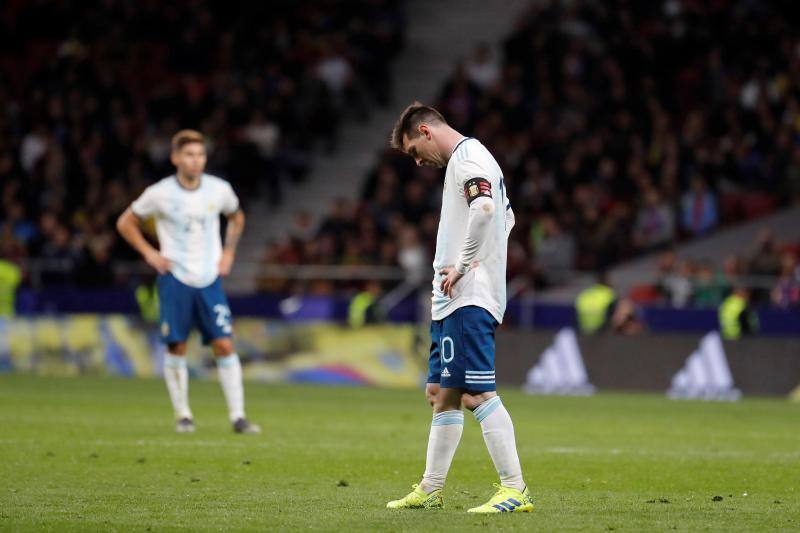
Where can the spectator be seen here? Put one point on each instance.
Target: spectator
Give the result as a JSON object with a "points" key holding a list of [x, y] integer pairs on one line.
{"points": [[412, 256], [709, 288], [677, 286], [736, 318], [786, 293], [481, 69], [364, 307], [594, 305], [733, 269], [699, 208], [10, 278], [655, 222], [765, 259], [625, 320], [60, 255], [554, 251]]}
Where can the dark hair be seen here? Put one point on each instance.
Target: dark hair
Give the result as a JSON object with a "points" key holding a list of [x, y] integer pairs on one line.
{"points": [[409, 121]]}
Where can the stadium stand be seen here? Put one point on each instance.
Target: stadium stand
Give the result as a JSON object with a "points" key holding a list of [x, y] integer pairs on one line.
{"points": [[623, 129], [91, 94]]}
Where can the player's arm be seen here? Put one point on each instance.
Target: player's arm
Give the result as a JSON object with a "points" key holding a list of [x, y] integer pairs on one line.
{"points": [[232, 236], [129, 226], [478, 193]]}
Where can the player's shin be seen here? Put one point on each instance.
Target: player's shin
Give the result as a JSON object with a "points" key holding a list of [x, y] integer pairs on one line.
{"points": [[498, 433], [176, 376], [446, 430], [230, 377]]}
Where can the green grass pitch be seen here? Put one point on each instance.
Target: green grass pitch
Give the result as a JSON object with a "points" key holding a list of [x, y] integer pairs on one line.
{"points": [[91, 454]]}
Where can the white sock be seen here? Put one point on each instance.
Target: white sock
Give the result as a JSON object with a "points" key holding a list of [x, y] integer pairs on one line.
{"points": [[230, 377], [446, 430], [177, 377], [498, 433]]}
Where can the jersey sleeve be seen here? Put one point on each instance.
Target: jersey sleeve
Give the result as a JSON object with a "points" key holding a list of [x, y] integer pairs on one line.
{"points": [[230, 202], [473, 181], [147, 204]]}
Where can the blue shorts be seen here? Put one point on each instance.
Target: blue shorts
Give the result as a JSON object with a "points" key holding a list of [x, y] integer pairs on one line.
{"points": [[183, 306], [462, 350]]}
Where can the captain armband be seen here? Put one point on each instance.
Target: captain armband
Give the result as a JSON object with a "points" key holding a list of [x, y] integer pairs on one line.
{"points": [[477, 187]]}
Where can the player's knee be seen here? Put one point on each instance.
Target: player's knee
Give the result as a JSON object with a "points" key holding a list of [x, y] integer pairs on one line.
{"points": [[447, 400], [470, 401], [177, 348], [222, 347], [431, 397], [473, 401], [440, 405], [431, 392]]}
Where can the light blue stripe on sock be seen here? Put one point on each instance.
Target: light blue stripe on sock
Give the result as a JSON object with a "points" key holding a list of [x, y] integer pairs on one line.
{"points": [[448, 422], [174, 361], [228, 360], [487, 408], [448, 418]]}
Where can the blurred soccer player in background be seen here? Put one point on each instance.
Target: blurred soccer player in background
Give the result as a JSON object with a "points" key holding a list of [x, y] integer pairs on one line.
{"points": [[469, 300], [190, 262]]}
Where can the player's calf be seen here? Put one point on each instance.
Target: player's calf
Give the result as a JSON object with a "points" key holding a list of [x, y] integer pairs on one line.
{"points": [[229, 369]]}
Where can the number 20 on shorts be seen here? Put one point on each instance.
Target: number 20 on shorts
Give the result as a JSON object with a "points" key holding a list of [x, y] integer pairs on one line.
{"points": [[445, 342]]}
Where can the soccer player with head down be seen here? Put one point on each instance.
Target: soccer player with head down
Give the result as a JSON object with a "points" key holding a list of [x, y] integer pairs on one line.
{"points": [[469, 300], [190, 261]]}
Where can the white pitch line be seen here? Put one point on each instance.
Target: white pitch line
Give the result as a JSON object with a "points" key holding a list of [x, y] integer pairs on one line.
{"points": [[703, 454], [146, 442]]}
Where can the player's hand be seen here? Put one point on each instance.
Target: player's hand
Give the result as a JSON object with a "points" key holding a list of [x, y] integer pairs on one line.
{"points": [[226, 263], [158, 261], [451, 277]]}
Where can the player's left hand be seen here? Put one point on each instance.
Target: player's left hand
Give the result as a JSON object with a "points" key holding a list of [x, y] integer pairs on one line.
{"points": [[451, 277], [226, 263]]}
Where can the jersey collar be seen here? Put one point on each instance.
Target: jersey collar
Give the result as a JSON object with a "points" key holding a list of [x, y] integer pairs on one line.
{"points": [[459, 143], [184, 187]]}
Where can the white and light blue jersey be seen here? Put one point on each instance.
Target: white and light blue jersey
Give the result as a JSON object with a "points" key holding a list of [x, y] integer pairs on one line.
{"points": [[484, 285], [187, 224]]}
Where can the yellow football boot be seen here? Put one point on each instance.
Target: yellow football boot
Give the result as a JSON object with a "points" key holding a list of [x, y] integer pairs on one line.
{"points": [[506, 500], [418, 499]]}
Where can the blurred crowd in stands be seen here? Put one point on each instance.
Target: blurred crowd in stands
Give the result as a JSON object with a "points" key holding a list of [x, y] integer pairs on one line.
{"points": [[687, 283], [622, 127], [91, 93]]}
